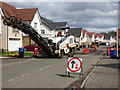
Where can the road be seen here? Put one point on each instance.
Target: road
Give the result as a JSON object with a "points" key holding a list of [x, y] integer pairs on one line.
{"points": [[45, 72], [105, 75]]}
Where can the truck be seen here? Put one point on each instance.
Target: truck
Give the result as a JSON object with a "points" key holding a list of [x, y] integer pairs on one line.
{"points": [[54, 47]]}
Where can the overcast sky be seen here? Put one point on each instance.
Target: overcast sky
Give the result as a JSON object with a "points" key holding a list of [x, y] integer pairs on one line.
{"points": [[92, 16]]}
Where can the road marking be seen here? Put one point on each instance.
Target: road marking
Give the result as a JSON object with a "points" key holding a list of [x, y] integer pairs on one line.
{"points": [[83, 83], [10, 80], [22, 75], [17, 77], [46, 67], [41, 69]]}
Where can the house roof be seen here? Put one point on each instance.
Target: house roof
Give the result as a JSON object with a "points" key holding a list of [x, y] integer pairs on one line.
{"points": [[84, 32], [24, 14], [115, 37], [52, 24], [98, 35], [75, 31], [59, 24], [107, 35], [91, 33]]}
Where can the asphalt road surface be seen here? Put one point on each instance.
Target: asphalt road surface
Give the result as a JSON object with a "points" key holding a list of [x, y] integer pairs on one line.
{"points": [[45, 72]]}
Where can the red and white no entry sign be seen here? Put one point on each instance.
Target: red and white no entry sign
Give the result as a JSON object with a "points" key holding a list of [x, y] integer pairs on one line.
{"points": [[74, 64]]}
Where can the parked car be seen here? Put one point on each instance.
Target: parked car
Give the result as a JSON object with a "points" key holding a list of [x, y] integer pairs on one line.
{"points": [[31, 47]]}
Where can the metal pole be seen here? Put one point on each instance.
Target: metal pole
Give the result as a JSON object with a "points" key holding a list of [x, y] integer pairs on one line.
{"points": [[117, 26]]}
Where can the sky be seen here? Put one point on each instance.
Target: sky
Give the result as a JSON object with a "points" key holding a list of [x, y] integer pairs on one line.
{"points": [[92, 16]]}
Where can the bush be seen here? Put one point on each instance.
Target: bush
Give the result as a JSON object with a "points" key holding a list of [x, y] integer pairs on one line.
{"points": [[13, 54]]}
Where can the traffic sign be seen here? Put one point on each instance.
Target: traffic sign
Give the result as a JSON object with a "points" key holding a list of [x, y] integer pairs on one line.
{"points": [[74, 65]]}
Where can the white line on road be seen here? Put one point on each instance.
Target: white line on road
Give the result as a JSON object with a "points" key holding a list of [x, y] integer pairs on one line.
{"points": [[90, 73], [41, 69], [10, 80], [17, 77], [22, 75], [46, 67]]}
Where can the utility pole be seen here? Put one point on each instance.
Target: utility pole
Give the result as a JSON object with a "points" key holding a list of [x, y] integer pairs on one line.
{"points": [[117, 24]]}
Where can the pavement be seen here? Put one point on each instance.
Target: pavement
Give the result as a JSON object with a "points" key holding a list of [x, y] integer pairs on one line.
{"points": [[44, 72], [105, 75]]}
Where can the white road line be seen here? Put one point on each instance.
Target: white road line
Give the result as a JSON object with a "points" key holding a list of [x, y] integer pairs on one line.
{"points": [[22, 75], [17, 77], [46, 67], [10, 80], [41, 69]]}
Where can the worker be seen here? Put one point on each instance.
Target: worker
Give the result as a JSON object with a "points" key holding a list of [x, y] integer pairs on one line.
{"points": [[88, 45], [95, 48]]}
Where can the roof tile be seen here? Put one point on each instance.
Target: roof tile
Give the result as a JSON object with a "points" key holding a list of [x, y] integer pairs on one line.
{"points": [[24, 14]]}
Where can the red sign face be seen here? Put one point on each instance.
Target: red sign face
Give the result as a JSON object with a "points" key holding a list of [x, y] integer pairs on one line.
{"points": [[71, 62]]}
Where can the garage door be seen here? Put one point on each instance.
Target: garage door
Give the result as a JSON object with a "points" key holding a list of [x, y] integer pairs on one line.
{"points": [[14, 45]]}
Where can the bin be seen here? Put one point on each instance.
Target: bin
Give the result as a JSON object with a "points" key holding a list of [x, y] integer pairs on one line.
{"points": [[113, 53], [104, 44], [21, 52], [84, 46], [35, 51]]}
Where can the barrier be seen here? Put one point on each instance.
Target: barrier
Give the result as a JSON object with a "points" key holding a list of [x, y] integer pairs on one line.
{"points": [[86, 50], [35, 51]]}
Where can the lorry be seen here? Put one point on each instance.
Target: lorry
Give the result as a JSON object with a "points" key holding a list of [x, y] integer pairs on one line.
{"points": [[54, 47]]}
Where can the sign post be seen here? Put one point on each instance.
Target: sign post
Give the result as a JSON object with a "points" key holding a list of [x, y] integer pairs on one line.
{"points": [[74, 65]]}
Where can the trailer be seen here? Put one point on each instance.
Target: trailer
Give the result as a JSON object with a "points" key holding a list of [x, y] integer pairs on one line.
{"points": [[56, 47]]}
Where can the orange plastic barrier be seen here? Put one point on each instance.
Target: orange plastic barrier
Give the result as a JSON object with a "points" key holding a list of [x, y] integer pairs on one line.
{"points": [[86, 50]]}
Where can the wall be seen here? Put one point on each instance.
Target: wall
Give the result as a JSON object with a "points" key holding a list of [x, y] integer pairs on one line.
{"points": [[0, 22], [0, 30], [48, 32], [84, 38], [7, 33], [93, 38], [0, 42], [36, 19], [3, 36]]}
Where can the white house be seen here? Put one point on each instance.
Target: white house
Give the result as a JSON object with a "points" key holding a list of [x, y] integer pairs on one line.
{"points": [[76, 32], [109, 38], [112, 40], [87, 37], [10, 38], [99, 38], [50, 29]]}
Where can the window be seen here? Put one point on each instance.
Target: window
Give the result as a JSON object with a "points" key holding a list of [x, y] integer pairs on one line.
{"points": [[35, 25], [71, 40], [42, 31]]}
